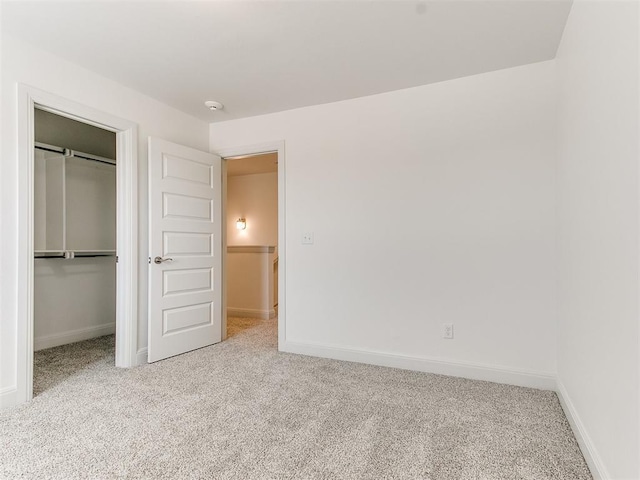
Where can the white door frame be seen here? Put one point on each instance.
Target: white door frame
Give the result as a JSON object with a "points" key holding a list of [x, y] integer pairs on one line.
{"points": [[262, 148], [126, 236]]}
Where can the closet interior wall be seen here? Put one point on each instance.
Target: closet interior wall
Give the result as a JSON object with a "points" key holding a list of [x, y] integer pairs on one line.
{"points": [[74, 211]]}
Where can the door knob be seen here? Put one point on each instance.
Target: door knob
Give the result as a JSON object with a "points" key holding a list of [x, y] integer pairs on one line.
{"points": [[159, 260]]}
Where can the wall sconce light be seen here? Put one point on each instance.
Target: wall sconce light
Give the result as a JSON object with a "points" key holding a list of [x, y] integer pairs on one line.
{"points": [[241, 224]]}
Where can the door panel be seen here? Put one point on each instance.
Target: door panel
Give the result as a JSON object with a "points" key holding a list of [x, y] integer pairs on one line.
{"points": [[185, 169], [187, 244], [182, 281], [181, 319], [184, 229], [185, 207]]}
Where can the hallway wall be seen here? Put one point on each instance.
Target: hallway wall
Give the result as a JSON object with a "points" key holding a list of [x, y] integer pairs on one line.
{"points": [[254, 197], [250, 271]]}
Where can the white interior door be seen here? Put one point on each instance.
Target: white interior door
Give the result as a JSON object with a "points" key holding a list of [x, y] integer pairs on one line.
{"points": [[185, 249]]}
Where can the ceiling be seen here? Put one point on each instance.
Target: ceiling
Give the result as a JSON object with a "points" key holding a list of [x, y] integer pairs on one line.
{"points": [[267, 56], [254, 164]]}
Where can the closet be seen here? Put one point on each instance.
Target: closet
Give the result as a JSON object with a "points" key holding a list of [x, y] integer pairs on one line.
{"points": [[74, 231]]}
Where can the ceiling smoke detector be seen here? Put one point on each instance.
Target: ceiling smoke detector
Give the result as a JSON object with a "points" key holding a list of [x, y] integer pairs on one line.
{"points": [[213, 106]]}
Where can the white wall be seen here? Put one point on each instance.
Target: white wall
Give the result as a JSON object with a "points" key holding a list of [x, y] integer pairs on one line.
{"points": [[429, 205], [254, 197], [73, 300], [25, 64], [598, 232]]}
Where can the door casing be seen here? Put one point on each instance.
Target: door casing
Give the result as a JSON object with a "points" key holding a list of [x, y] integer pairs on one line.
{"points": [[126, 237]]}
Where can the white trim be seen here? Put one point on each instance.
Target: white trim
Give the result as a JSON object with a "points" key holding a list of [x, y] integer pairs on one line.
{"points": [[251, 313], [127, 230], [72, 336], [223, 212], [142, 357], [279, 147], [8, 397], [25, 273], [475, 371], [251, 249], [598, 470], [127, 247]]}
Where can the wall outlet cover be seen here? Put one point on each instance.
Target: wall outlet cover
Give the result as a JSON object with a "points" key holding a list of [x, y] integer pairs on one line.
{"points": [[447, 331], [307, 238]]}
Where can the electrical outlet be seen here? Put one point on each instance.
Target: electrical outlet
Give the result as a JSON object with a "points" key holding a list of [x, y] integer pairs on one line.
{"points": [[307, 238], [447, 330]]}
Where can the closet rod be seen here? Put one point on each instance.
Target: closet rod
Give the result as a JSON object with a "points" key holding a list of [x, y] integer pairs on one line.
{"points": [[72, 153], [75, 254]]}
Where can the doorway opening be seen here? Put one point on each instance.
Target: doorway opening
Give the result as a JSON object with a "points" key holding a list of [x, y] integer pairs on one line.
{"points": [[54, 231], [74, 246], [253, 211]]}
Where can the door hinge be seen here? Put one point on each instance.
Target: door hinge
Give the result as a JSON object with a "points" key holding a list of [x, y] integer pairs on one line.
{"points": [[116, 258], [149, 260]]}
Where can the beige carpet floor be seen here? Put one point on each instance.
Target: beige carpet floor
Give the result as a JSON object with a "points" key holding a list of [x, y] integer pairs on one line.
{"points": [[241, 410]]}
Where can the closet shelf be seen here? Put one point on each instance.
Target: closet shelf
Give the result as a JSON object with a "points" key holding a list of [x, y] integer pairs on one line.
{"points": [[69, 254]]}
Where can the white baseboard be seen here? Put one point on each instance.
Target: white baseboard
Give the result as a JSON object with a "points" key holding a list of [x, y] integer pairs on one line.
{"points": [[8, 397], [587, 447], [71, 336], [251, 313], [142, 357], [475, 371]]}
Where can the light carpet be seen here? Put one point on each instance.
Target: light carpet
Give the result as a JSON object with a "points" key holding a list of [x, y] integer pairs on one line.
{"points": [[241, 410]]}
